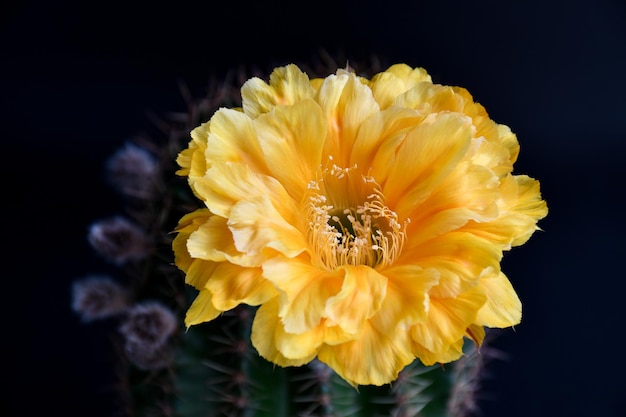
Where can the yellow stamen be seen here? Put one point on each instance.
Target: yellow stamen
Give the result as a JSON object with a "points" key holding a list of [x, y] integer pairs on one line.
{"points": [[367, 232]]}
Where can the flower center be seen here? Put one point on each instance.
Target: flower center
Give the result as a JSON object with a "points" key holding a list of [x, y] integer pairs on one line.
{"points": [[349, 223]]}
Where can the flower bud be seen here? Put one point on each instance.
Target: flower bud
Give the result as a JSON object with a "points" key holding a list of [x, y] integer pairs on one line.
{"points": [[98, 297], [118, 240]]}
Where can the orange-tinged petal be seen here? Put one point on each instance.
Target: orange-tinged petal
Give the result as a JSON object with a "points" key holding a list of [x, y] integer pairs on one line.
{"points": [[428, 154], [495, 157], [361, 295], [292, 139], [304, 290], [395, 81], [288, 85], [383, 129], [448, 320], [503, 307], [438, 98], [232, 285], [192, 160], [213, 241], [257, 225], [303, 345], [406, 300], [450, 353], [201, 310], [520, 206], [375, 358], [227, 183], [469, 193], [199, 272], [508, 139], [346, 103], [188, 224], [232, 138], [476, 333], [264, 327], [459, 257]]}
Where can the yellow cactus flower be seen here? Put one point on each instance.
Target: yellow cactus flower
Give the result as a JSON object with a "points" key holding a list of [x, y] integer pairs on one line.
{"points": [[366, 218]]}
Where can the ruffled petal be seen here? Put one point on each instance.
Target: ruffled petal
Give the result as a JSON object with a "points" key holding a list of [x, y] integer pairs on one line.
{"points": [[375, 358], [406, 300], [346, 103], [469, 193], [450, 353], [232, 285], [199, 273], [192, 160], [385, 129], [459, 257], [304, 290], [361, 295], [503, 307], [188, 224], [264, 327], [201, 310], [213, 241], [425, 158], [292, 140], [396, 80], [288, 85], [448, 320], [520, 207], [257, 225], [227, 183], [232, 138]]}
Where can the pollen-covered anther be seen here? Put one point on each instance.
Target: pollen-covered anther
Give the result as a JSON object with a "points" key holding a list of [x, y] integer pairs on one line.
{"points": [[367, 233]]}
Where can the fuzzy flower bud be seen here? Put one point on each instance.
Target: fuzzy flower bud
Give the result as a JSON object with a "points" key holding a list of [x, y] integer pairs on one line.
{"points": [[149, 323], [133, 171], [97, 297], [118, 240], [146, 331]]}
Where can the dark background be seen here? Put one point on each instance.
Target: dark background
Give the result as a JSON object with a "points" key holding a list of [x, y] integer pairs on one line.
{"points": [[77, 79]]}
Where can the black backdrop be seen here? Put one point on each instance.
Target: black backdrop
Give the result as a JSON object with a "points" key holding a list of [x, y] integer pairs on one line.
{"points": [[78, 78]]}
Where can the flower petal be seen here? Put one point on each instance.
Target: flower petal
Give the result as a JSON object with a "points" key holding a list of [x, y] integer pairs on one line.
{"points": [[201, 310], [448, 320], [302, 345], [469, 193], [232, 285], [292, 140], [406, 299], [346, 102], [503, 307], [188, 224], [227, 183], [428, 154], [383, 129], [232, 139], [450, 353], [361, 296], [257, 225], [264, 327], [213, 241], [193, 160], [288, 85], [375, 358], [459, 257], [304, 289], [520, 208], [396, 80]]}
